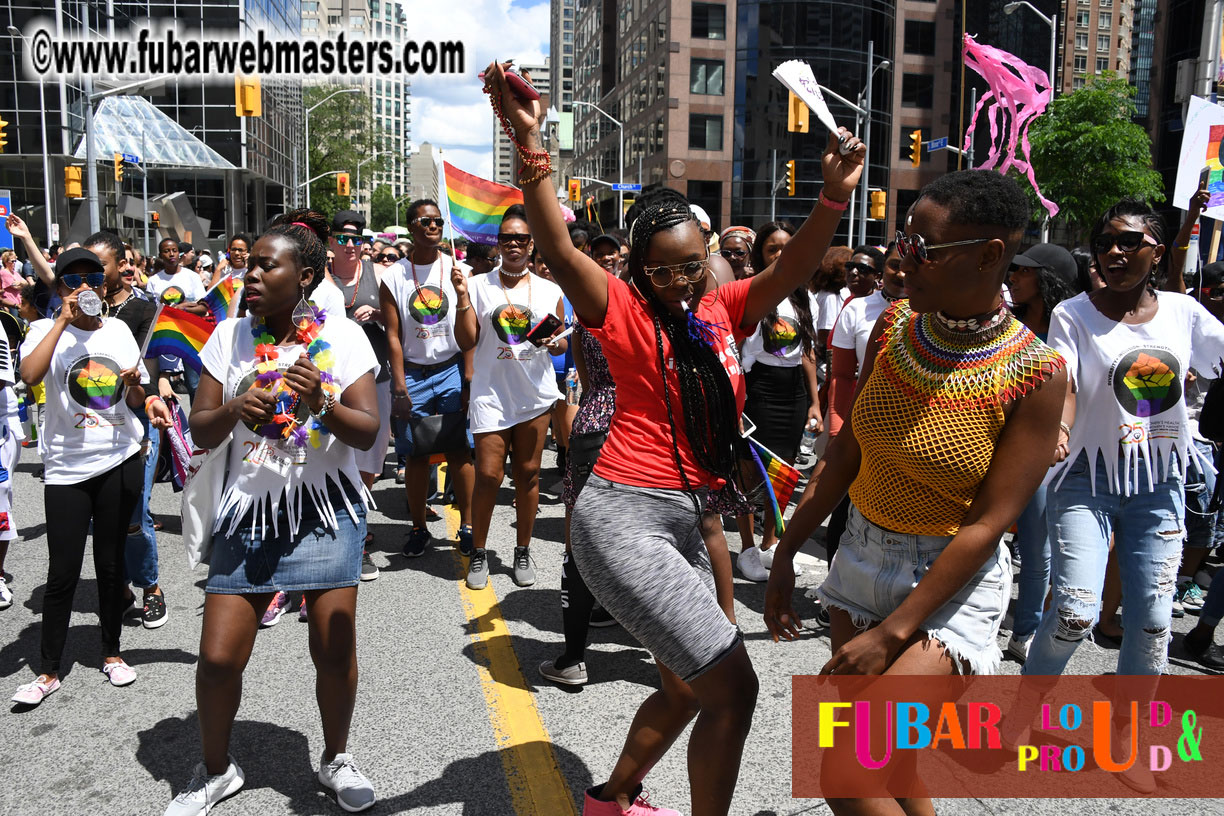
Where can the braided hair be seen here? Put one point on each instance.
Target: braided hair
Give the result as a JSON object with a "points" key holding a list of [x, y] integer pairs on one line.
{"points": [[706, 395], [308, 230]]}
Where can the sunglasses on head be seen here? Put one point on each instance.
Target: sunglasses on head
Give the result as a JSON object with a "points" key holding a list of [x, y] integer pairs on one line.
{"points": [[915, 245], [429, 221], [93, 280], [1125, 241], [513, 237], [389, 257], [343, 238], [732, 253], [691, 272]]}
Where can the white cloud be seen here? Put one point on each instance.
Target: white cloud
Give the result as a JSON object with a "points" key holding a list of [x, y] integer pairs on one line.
{"points": [[451, 112]]}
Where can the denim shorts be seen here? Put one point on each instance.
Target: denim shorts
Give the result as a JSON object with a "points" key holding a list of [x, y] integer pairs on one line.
{"points": [[318, 557], [439, 391], [874, 570]]}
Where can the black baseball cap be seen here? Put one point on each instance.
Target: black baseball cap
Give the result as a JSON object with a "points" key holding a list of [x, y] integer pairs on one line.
{"points": [[346, 218], [77, 257], [184, 247], [1210, 275], [1051, 257], [606, 237]]}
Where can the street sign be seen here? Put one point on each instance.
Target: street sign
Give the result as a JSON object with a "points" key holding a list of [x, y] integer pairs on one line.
{"points": [[131, 159], [937, 144], [6, 207], [626, 188]]}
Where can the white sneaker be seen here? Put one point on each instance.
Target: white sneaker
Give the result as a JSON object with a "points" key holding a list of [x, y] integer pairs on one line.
{"points": [[750, 565], [6, 594], [1019, 648], [767, 557], [353, 791], [206, 791]]}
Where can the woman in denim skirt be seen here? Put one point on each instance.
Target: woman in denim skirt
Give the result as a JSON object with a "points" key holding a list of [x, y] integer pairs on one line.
{"points": [[294, 386]]}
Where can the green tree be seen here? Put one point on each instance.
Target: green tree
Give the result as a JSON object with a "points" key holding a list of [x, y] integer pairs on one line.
{"points": [[382, 208], [342, 133], [1088, 152]]}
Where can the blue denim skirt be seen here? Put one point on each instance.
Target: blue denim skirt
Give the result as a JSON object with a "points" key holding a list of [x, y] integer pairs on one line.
{"points": [[874, 570], [318, 557]]}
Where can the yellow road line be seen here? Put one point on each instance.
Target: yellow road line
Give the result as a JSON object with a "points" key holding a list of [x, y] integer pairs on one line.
{"points": [[532, 774]]}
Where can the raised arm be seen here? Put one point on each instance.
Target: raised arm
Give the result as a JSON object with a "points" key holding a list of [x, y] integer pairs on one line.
{"points": [[18, 229], [802, 253], [584, 282], [1176, 279]]}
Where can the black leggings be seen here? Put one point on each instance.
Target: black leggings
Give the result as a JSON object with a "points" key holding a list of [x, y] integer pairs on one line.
{"points": [[107, 500]]}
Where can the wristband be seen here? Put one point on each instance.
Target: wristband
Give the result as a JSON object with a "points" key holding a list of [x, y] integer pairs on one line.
{"points": [[1065, 428], [152, 397], [1184, 248], [839, 206], [463, 308]]}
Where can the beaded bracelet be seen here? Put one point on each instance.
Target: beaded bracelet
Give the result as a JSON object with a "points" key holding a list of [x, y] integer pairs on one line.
{"points": [[539, 160], [839, 206]]}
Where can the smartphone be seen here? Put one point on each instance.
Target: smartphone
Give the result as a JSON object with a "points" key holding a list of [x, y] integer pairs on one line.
{"points": [[747, 426], [544, 329], [520, 86], [1204, 178]]}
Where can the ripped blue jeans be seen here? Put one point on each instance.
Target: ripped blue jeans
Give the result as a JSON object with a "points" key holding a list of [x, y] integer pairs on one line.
{"points": [[1148, 533]]}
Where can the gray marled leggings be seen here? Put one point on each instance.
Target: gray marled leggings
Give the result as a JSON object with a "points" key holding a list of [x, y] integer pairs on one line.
{"points": [[640, 551]]}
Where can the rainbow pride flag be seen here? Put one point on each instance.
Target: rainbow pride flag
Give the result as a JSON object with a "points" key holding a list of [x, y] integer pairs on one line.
{"points": [[780, 480], [177, 333], [222, 299], [476, 205]]}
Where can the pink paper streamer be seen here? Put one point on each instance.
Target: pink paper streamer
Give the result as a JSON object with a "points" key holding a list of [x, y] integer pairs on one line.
{"points": [[1018, 94]]}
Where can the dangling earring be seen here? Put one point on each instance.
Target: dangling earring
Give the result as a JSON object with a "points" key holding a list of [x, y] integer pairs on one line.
{"points": [[303, 312]]}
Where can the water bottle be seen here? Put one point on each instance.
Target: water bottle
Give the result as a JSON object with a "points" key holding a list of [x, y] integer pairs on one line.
{"points": [[808, 443], [572, 387], [89, 303]]}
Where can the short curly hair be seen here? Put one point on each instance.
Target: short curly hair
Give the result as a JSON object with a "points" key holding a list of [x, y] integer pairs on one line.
{"points": [[981, 198]]}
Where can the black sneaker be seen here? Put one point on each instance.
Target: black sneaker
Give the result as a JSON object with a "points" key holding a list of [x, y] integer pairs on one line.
{"points": [[465, 541], [154, 614], [602, 618], [417, 541], [368, 571], [822, 618], [1207, 655]]}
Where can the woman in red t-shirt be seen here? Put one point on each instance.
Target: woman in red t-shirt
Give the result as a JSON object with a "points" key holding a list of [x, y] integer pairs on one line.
{"points": [[636, 531]]}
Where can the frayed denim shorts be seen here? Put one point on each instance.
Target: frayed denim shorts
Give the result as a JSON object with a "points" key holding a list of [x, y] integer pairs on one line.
{"points": [[874, 570], [318, 557]]}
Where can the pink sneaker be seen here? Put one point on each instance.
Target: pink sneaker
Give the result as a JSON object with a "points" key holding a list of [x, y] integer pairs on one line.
{"points": [[640, 807], [34, 693], [120, 674]]}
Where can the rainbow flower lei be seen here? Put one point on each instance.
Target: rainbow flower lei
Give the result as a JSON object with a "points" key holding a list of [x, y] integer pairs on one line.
{"points": [[285, 424]]}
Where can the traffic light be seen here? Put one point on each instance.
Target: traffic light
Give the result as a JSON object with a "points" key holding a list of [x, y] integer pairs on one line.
{"points": [[790, 177], [916, 147], [796, 115], [72, 182], [3, 133], [118, 167], [342, 184], [155, 219], [575, 190], [248, 99], [879, 205]]}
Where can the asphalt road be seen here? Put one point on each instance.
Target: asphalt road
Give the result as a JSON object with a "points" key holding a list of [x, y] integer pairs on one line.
{"points": [[451, 716]]}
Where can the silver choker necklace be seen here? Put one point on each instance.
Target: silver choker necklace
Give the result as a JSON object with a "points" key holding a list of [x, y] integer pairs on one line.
{"points": [[514, 274]]}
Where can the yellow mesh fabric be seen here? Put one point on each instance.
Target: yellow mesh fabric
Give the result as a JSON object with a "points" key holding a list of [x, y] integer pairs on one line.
{"points": [[928, 417]]}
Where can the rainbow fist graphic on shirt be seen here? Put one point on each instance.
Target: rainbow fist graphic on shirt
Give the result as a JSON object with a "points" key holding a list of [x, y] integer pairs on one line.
{"points": [[1149, 381], [782, 337], [97, 383], [428, 305], [512, 323]]}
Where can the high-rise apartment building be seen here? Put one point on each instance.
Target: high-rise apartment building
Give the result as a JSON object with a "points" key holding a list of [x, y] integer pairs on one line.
{"points": [[561, 54], [423, 174], [1097, 37], [503, 150]]}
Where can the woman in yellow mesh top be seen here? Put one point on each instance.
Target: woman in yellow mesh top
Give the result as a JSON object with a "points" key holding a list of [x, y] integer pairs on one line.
{"points": [[954, 424]]}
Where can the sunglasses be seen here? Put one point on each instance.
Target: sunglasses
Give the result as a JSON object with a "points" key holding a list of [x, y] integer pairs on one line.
{"points": [[428, 221], [390, 257], [732, 253], [343, 238], [93, 280], [1126, 242], [862, 269], [691, 272], [513, 237], [916, 246]]}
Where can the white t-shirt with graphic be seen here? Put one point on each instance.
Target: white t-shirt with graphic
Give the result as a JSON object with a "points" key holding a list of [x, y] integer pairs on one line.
{"points": [[1129, 381], [854, 324], [265, 470], [512, 381], [89, 428], [780, 345], [10, 410], [184, 286], [825, 308], [426, 306]]}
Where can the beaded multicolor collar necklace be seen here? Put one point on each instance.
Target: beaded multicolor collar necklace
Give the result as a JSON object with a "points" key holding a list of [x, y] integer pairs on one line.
{"points": [[285, 423]]}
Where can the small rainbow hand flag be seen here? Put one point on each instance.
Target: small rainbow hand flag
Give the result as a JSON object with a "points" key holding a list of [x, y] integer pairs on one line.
{"points": [[222, 299], [177, 333], [780, 480], [476, 204]]}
